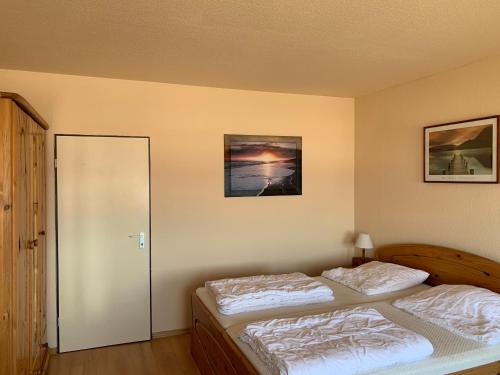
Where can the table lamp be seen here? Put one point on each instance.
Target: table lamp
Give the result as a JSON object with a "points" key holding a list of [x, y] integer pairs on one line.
{"points": [[364, 242]]}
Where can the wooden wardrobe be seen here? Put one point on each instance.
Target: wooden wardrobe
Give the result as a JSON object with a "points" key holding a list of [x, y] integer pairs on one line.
{"points": [[23, 348]]}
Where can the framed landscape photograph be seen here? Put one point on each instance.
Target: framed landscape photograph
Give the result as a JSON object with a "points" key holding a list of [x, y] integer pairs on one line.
{"points": [[257, 165], [464, 151]]}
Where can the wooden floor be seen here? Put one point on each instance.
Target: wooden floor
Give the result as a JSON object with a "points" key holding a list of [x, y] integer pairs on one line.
{"points": [[168, 355]]}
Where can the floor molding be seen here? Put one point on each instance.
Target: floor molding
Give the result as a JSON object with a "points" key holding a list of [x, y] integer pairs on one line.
{"points": [[175, 332], [155, 335]]}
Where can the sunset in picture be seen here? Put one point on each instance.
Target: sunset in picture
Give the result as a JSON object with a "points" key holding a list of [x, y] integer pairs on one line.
{"points": [[261, 165], [267, 157]]}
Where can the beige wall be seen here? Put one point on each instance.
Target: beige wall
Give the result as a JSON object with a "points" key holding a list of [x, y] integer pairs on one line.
{"points": [[196, 232], [391, 200]]}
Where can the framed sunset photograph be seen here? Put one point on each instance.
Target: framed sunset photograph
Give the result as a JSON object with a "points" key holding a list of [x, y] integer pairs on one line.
{"points": [[465, 151], [258, 165]]}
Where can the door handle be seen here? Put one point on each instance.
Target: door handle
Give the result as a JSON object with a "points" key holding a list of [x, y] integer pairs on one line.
{"points": [[141, 237]]}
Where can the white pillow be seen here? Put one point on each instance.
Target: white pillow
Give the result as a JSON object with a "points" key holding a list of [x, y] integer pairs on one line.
{"points": [[377, 277], [465, 310]]}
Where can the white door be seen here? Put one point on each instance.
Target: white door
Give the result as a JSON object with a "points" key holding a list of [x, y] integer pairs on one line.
{"points": [[103, 240]]}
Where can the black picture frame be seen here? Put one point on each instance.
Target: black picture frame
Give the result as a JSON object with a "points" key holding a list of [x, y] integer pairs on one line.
{"points": [[462, 151], [262, 165]]}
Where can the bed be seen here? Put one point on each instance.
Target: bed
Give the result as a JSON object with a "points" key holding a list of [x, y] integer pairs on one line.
{"points": [[344, 296], [217, 350]]}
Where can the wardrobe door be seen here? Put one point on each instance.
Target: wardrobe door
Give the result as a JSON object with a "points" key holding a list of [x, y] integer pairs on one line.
{"points": [[33, 253], [40, 230], [6, 312], [37, 254], [22, 239]]}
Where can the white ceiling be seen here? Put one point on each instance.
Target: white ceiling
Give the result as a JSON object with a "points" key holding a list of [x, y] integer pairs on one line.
{"points": [[325, 47]]}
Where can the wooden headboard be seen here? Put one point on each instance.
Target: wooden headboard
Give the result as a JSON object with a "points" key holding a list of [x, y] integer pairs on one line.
{"points": [[445, 265]]}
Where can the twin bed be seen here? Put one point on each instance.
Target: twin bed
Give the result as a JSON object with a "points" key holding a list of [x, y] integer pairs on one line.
{"points": [[218, 349]]}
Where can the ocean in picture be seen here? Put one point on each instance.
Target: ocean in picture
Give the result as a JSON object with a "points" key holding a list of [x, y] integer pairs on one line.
{"points": [[259, 168], [463, 151]]}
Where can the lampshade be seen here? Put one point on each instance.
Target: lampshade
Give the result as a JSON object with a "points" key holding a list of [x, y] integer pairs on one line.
{"points": [[364, 241]]}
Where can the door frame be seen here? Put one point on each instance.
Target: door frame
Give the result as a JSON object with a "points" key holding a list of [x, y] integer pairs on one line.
{"points": [[57, 221]]}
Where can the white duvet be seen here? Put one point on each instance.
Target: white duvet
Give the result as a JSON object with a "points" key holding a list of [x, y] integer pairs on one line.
{"points": [[347, 341], [261, 292], [377, 277], [466, 310]]}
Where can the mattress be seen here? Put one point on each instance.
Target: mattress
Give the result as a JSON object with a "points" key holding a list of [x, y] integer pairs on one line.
{"points": [[451, 352], [344, 296]]}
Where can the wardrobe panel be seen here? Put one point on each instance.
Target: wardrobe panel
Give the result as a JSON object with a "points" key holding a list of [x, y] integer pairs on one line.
{"points": [[23, 349], [22, 238], [6, 245]]}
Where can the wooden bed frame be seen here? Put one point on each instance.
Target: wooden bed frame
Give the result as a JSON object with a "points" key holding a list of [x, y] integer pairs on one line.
{"points": [[216, 353]]}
